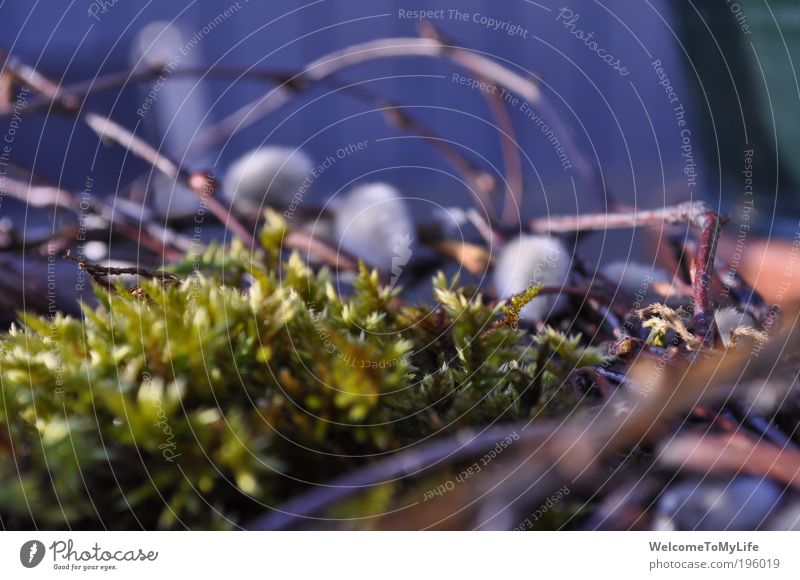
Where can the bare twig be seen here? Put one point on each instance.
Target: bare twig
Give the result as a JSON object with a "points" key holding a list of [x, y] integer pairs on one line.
{"points": [[710, 224], [110, 130], [32, 78], [481, 182], [202, 184], [733, 453], [509, 145], [102, 275], [409, 463], [132, 222]]}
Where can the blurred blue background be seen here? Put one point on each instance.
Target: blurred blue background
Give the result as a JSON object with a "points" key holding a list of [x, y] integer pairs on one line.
{"points": [[624, 124]]}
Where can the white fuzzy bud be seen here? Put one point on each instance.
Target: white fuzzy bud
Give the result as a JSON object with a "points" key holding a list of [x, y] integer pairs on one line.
{"points": [[172, 199], [728, 320], [373, 223], [632, 278], [529, 260], [267, 176]]}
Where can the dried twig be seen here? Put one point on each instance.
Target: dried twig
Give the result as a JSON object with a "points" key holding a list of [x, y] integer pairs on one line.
{"points": [[335, 257], [509, 146], [733, 453], [481, 182], [200, 183], [407, 464], [101, 275], [130, 220]]}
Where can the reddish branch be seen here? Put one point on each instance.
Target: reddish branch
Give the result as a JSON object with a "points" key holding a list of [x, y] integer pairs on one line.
{"points": [[710, 225]]}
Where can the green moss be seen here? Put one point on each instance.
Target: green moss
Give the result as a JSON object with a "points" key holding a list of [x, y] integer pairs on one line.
{"points": [[199, 404]]}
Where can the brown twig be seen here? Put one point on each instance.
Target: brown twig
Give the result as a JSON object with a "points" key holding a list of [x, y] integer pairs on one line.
{"points": [[107, 129], [407, 464], [101, 275], [509, 146], [733, 453], [118, 216], [481, 182], [70, 96], [710, 224], [202, 184]]}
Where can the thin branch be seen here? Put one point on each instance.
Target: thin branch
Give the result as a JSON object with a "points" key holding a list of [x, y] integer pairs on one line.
{"points": [[733, 453], [125, 217], [336, 61], [406, 464], [509, 146], [110, 130], [202, 184], [102, 275], [481, 182]]}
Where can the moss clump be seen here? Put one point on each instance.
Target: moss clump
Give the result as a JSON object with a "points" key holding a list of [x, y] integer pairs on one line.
{"points": [[199, 404]]}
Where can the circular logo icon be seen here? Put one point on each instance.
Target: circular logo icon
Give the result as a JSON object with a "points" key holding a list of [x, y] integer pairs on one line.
{"points": [[31, 553]]}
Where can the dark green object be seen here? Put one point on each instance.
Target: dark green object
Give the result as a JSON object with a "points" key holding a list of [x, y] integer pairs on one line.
{"points": [[738, 108]]}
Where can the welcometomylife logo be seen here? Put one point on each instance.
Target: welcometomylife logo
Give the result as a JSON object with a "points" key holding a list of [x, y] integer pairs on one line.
{"points": [[31, 553]]}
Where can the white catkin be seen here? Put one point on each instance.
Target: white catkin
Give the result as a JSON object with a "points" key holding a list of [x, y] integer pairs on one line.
{"points": [[632, 278], [172, 199], [373, 224], [529, 260], [728, 320], [267, 176]]}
